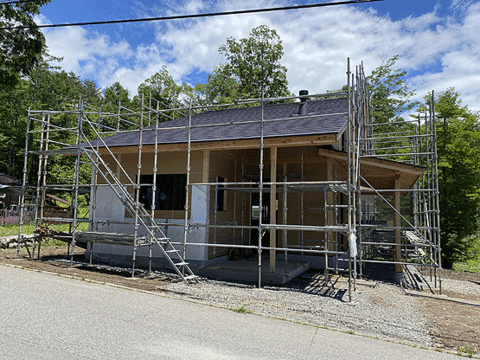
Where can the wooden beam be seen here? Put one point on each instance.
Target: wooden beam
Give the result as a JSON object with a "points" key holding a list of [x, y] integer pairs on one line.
{"points": [[231, 144], [384, 164], [309, 160]]}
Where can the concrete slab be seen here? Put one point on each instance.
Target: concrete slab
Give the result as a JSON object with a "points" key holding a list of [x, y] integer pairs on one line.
{"points": [[246, 270]]}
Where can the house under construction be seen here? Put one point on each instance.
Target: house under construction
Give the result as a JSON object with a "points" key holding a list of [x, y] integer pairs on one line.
{"points": [[283, 184]]}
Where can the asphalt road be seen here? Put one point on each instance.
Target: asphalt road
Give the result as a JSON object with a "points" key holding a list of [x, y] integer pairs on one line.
{"points": [[43, 316]]}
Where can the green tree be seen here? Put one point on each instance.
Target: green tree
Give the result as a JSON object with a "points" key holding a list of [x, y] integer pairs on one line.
{"points": [[253, 65], [13, 109], [46, 88], [116, 93], [161, 87], [20, 48], [390, 98], [389, 91], [458, 146], [197, 94]]}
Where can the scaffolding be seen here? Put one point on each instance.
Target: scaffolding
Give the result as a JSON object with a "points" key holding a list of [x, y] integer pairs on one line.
{"points": [[333, 219], [410, 231]]}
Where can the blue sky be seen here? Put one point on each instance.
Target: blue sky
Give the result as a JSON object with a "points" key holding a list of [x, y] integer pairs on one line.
{"points": [[437, 41]]}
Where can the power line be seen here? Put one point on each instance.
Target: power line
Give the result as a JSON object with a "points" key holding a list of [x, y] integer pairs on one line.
{"points": [[193, 16], [16, 2]]}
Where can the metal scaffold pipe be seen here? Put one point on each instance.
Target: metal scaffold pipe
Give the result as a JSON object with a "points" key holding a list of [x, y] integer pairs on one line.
{"points": [[317, 216]]}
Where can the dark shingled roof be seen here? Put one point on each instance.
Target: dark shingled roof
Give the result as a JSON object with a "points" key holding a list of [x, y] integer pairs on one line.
{"points": [[326, 116]]}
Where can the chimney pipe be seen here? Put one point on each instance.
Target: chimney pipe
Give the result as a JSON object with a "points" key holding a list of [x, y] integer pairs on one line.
{"points": [[302, 110]]}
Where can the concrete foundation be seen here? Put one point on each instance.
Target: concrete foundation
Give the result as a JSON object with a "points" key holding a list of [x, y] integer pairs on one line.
{"points": [[399, 277], [246, 270]]}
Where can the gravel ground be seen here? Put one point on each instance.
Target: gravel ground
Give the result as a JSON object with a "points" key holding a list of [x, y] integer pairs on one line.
{"points": [[382, 312], [467, 288]]}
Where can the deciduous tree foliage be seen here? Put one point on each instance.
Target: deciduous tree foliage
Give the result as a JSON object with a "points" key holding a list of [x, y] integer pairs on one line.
{"points": [[253, 65], [19, 49], [46, 88], [390, 93], [458, 146], [458, 143], [162, 88], [116, 93], [390, 98]]}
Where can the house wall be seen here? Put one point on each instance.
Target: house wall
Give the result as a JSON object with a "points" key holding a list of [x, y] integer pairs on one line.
{"points": [[228, 164], [232, 166], [117, 219], [223, 164], [295, 163]]}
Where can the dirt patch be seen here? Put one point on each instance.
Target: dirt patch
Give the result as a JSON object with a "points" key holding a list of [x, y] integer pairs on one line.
{"points": [[455, 316], [459, 275], [455, 323], [55, 260]]}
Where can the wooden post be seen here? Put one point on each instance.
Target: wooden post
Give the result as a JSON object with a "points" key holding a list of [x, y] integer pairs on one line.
{"points": [[118, 170], [398, 224], [330, 201], [273, 205], [284, 209], [209, 233], [206, 166]]}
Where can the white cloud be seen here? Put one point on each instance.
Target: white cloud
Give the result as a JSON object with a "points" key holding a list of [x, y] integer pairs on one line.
{"points": [[460, 66], [440, 51], [86, 53]]}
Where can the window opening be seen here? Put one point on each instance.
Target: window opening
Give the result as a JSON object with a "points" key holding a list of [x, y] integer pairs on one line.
{"points": [[170, 193]]}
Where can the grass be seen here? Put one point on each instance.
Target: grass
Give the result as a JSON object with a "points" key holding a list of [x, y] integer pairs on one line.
{"points": [[241, 310], [464, 351], [8, 230], [12, 229], [53, 242], [472, 265]]}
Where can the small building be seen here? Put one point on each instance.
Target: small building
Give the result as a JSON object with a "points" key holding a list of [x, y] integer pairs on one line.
{"points": [[304, 183], [9, 195], [274, 185]]}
